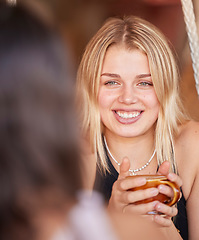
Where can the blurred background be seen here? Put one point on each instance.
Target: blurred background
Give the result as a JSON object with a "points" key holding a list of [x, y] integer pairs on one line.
{"points": [[78, 21]]}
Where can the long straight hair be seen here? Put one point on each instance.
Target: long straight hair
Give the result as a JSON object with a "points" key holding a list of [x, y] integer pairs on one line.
{"points": [[133, 33]]}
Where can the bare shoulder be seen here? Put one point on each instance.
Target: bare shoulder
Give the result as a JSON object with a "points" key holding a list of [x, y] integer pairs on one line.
{"points": [[189, 132], [187, 141], [187, 157], [187, 154]]}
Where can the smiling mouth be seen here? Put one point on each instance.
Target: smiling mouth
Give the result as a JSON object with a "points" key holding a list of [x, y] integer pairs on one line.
{"points": [[128, 115]]}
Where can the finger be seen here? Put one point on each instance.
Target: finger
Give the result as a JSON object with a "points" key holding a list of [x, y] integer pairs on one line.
{"points": [[124, 168], [175, 178], [129, 197], [141, 209], [166, 210], [163, 221], [164, 168], [166, 190], [131, 182]]}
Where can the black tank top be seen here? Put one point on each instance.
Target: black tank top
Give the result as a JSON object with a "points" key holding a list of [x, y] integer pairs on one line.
{"points": [[104, 183]]}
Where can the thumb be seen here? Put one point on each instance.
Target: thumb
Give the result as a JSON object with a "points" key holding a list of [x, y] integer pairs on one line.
{"points": [[124, 168], [164, 168]]}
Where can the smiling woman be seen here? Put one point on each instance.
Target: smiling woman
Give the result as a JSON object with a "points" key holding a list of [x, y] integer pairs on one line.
{"points": [[114, 46], [132, 115], [126, 93]]}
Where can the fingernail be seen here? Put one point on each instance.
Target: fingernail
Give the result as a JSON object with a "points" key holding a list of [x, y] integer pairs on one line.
{"points": [[154, 191], [158, 207], [125, 159], [161, 187], [155, 203], [171, 176], [142, 181]]}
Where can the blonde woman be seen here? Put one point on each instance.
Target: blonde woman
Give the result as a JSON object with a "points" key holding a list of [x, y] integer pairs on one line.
{"points": [[127, 85]]}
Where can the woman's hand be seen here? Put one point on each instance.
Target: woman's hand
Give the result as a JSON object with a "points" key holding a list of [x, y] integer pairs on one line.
{"points": [[123, 200], [168, 212]]}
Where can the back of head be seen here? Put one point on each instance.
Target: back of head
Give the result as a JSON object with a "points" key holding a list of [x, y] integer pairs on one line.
{"points": [[39, 161]]}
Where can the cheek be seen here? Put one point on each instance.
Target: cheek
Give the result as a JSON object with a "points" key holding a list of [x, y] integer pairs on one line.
{"points": [[104, 100], [151, 100], [157, 112], [154, 105], [101, 101]]}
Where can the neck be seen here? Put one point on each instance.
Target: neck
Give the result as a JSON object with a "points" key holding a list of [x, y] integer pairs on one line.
{"points": [[139, 150]]}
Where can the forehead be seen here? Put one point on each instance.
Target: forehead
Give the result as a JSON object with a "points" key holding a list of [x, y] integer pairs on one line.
{"points": [[119, 57], [118, 50]]}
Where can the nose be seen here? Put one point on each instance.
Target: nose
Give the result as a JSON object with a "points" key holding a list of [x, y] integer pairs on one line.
{"points": [[128, 95]]}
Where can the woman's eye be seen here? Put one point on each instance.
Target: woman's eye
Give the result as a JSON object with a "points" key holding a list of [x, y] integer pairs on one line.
{"points": [[111, 83], [145, 84]]}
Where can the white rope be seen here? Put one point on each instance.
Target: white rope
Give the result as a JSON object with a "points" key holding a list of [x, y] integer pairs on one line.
{"points": [[189, 17]]}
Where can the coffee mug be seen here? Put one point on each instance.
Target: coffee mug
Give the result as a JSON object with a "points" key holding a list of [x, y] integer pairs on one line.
{"points": [[155, 181]]}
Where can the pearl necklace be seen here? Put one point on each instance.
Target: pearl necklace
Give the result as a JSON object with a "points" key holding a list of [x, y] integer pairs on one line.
{"points": [[132, 171]]}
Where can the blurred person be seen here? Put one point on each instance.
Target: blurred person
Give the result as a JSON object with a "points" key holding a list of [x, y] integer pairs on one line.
{"points": [[41, 179], [39, 156], [135, 123]]}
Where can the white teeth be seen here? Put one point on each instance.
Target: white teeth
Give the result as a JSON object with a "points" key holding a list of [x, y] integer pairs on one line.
{"points": [[128, 115]]}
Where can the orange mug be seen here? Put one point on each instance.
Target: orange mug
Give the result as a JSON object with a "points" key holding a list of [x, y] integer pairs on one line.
{"points": [[154, 181]]}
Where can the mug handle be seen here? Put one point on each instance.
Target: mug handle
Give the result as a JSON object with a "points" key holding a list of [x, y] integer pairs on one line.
{"points": [[176, 191]]}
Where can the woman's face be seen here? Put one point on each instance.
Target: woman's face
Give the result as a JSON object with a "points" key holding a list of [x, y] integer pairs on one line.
{"points": [[127, 100]]}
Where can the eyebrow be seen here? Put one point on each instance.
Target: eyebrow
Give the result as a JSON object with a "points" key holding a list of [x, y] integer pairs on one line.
{"points": [[144, 75], [113, 75]]}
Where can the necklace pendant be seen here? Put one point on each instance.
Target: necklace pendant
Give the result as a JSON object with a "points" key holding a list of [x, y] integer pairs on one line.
{"points": [[132, 173]]}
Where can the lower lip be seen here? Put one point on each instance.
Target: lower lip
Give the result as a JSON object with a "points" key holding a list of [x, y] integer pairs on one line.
{"points": [[126, 120]]}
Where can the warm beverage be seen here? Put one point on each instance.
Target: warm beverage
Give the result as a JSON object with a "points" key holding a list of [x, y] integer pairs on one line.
{"points": [[154, 181]]}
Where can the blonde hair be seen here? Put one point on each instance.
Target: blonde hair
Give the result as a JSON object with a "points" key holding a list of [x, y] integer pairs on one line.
{"points": [[133, 32]]}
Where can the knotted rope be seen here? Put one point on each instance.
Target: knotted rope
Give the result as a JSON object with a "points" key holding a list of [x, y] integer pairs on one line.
{"points": [[189, 17]]}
